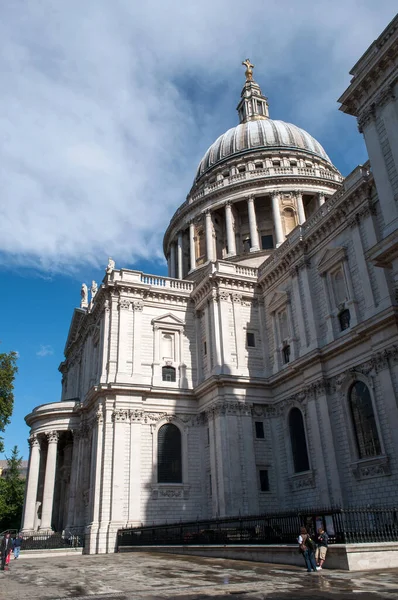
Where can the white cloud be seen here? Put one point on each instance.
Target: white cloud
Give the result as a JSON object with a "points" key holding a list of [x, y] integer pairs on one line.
{"points": [[104, 113], [45, 350]]}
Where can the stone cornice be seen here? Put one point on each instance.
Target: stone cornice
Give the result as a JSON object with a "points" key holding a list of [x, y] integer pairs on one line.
{"points": [[372, 71]]}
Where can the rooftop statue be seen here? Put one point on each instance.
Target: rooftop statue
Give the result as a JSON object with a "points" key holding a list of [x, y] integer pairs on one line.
{"points": [[249, 69], [84, 296], [111, 265]]}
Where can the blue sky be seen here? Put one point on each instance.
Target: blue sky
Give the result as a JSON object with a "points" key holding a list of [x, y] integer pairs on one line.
{"points": [[106, 110]]}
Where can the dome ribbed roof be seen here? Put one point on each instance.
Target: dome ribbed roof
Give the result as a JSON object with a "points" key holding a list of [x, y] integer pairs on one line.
{"points": [[259, 134]]}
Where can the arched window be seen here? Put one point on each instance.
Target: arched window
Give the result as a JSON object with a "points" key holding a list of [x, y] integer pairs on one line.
{"points": [[339, 287], [168, 374], [363, 420], [290, 220], [298, 441], [169, 454]]}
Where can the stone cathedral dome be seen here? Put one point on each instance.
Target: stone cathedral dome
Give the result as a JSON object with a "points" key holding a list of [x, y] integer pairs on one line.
{"points": [[259, 134], [256, 132]]}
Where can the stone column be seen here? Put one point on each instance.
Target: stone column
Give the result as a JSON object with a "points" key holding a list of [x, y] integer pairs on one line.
{"points": [[231, 243], [179, 255], [32, 484], [321, 199], [209, 236], [134, 506], [277, 219], [49, 480], [192, 253], [300, 208], [254, 241], [172, 260]]}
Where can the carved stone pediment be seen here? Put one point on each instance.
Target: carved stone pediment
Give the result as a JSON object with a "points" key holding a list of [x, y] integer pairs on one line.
{"points": [[279, 298], [168, 321], [330, 258]]}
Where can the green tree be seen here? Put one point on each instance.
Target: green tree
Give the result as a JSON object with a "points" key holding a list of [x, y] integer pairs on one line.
{"points": [[12, 488], [8, 370]]}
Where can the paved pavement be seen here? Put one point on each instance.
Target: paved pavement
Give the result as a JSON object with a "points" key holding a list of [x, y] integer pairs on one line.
{"points": [[139, 576]]}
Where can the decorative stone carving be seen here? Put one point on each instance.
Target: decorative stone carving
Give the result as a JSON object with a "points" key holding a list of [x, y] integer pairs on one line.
{"points": [[229, 408], [137, 305], [224, 295], [136, 416], [124, 304], [52, 437], [120, 415], [300, 481], [386, 95], [170, 491], [366, 117], [237, 298], [33, 440], [99, 415], [372, 467]]}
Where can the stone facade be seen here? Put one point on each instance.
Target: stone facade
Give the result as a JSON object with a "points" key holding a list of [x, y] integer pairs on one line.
{"points": [[271, 348]]}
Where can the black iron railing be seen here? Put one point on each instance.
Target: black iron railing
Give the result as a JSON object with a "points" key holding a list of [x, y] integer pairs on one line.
{"points": [[352, 525], [45, 541]]}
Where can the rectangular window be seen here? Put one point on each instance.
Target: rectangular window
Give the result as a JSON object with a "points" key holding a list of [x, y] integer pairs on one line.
{"points": [[204, 348], [210, 490], [264, 480], [267, 242], [251, 340], [208, 436], [259, 429]]}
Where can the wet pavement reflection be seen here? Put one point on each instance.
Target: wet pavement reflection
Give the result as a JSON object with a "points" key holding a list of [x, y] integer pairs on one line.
{"points": [[153, 576]]}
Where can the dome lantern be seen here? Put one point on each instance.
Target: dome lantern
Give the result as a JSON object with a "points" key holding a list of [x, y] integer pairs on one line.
{"points": [[253, 105]]}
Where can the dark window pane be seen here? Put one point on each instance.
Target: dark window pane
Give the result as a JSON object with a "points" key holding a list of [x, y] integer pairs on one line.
{"points": [[259, 429], [286, 354], [168, 374], [363, 419], [264, 480], [267, 242], [298, 441], [204, 348], [344, 319], [251, 341], [169, 454]]}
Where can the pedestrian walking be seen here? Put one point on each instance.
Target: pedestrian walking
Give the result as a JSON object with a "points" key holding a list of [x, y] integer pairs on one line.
{"points": [[307, 548], [321, 547], [5, 550], [17, 543]]}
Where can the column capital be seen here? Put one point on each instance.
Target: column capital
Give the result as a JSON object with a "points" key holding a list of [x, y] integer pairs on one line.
{"points": [[52, 437], [33, 440], [207, 212], [297, 193], [228, 203], [274, 193], [250, 198]]}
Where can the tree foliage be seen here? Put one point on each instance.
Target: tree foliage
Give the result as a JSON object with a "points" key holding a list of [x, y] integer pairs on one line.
{"points": [[12, 488], [8, 370]]}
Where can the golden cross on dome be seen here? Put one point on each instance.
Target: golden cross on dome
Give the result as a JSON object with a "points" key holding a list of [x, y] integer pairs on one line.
{"points": [[249, 69]]}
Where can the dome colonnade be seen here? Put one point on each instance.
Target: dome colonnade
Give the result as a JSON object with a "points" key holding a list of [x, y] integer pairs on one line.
{"points": [[254, 185]]}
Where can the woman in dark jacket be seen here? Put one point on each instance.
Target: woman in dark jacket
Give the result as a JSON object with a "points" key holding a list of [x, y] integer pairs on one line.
{"points": [[5, 550], [307, 546]]}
